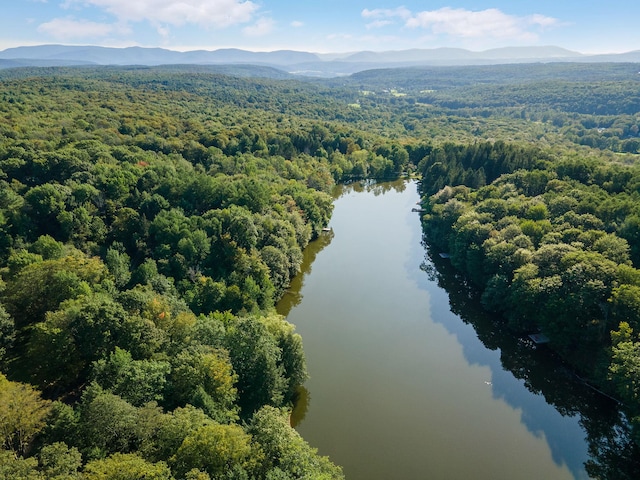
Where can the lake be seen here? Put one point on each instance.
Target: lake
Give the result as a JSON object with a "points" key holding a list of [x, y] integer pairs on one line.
{"points": [[401, 386]]}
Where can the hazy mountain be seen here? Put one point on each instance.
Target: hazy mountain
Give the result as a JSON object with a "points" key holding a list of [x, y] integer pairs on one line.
{"points": [[412, 55], [301, 63], [154, 56], [457, 56], [631, 57], [35, 62], [549, 52]]}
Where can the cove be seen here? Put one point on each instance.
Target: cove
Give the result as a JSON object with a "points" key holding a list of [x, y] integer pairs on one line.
{"points": [[409, 379]]}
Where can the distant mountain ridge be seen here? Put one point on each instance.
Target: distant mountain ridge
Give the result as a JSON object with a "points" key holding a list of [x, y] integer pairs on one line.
{"points": [[294, 61], [457, 54], [154, 56]]}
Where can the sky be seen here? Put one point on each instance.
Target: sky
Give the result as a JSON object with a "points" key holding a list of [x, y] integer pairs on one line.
{"points": [[325, 26]]}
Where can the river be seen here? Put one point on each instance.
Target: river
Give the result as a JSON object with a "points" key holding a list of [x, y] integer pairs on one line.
{"points": [[402, 387]]}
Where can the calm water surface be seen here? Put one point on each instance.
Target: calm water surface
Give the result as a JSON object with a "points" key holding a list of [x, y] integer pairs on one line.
{"points": [[401, 387]]}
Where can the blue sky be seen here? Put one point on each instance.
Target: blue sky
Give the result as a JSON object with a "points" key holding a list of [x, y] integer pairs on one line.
{"points": [[587, 26]]}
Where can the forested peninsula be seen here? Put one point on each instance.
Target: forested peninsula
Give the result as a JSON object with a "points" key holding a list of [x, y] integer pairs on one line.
{"points": [[150, 218]]}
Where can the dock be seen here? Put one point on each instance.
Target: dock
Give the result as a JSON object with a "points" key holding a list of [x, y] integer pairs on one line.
{"points": [[539, 338]]}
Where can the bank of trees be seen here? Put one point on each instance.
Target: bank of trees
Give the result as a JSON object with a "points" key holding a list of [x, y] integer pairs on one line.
{"points": [[552, 246], [113, 371], [146, 232]]}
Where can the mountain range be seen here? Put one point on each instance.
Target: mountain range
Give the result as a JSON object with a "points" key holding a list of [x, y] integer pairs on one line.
{"points": [[302, 63]]}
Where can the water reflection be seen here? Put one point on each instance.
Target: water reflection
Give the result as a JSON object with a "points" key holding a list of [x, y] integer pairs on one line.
{"points": [[300, 406], [379, 336], [612, 454], [293, 295], [370, 186]]}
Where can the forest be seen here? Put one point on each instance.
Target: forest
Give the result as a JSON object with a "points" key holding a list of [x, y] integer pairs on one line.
{"points": [[150, 218]]}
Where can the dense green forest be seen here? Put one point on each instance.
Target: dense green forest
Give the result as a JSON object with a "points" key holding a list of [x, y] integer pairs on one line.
{"points": [[149, 222], [150, 218]]}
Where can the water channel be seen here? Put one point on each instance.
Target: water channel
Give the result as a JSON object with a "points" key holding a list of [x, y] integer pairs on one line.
{"points": [[409, 380]]}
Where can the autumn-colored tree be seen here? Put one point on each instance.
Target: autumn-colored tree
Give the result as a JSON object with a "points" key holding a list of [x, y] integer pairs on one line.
{"points": [[23, 414]]}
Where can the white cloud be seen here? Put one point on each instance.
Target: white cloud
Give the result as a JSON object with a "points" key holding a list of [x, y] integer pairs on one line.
{"points": [[297, 24], [490, 23], [262, 27], [69, 28], [207, 13], [382, 16], [542, 21], [163, 31], [400, 12]]}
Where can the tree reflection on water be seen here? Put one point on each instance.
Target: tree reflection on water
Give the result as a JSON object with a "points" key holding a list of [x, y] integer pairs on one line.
{"points": [[613, 454]]}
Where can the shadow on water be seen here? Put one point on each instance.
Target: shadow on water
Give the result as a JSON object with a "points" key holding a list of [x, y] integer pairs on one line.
{"points": [[300, 406], [293, 295], [612, 454]]}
